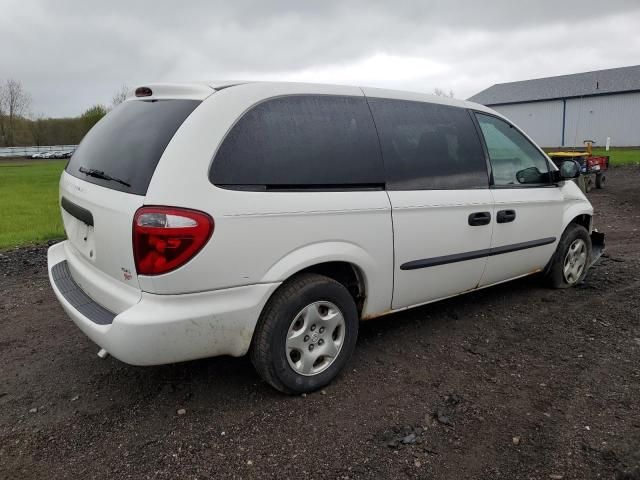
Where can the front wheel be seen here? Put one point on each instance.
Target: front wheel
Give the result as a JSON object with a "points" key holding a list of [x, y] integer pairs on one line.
{"points": [[306, 334], [600, 180], [571, 260]]}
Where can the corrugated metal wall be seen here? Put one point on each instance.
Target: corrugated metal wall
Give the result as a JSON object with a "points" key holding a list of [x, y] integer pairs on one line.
{"points": [[542, 121], [591, 118], [596, 118]]}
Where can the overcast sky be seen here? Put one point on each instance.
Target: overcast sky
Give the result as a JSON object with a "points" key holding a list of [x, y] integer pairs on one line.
{"points": [[72, 54]]}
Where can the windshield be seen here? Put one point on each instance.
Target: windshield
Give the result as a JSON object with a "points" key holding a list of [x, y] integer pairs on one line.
{"points": [[123, 149]]}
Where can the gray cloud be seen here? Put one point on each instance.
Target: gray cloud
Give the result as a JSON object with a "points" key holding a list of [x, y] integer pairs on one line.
{"points": [[72, 54]]}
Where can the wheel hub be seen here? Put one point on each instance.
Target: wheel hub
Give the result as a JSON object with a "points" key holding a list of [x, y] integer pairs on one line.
{"points": [[315, 338], [575, 261]]}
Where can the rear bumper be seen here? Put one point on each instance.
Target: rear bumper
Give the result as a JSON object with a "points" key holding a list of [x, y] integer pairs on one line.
{"points": [[162, 329]]}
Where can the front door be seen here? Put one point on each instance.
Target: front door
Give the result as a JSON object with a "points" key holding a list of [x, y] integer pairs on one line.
{"points": [[528, 207]]}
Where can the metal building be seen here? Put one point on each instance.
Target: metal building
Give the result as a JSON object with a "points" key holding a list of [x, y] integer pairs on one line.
{"points": [[566, 110]]}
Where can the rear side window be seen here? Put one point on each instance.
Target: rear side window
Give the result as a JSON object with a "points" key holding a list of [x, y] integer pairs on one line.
{"points": [[514, 159], [429, 146], [301, 141], [122, 150]]}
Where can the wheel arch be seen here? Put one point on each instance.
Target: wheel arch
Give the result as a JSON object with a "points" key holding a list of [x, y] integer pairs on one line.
{"points": [[348, 264], [583, 219], [578, 213], [347, 274]]}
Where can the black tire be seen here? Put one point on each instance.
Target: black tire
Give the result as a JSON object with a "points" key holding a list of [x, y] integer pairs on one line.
{"points": [[555, 274], [600, 180], [588, 184], [268, 348]]}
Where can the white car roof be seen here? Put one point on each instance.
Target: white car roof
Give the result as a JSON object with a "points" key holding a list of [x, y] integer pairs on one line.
{"points": [[201, 90]]}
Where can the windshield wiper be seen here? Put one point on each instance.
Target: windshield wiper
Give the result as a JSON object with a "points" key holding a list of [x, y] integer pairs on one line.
{"points": [[92, 172]]}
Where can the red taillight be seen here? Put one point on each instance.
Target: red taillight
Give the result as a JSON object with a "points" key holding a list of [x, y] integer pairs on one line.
{"points": [[165, 238]]}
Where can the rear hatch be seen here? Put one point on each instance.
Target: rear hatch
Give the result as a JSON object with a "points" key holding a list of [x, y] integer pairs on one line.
{"points": [[107, 179]]}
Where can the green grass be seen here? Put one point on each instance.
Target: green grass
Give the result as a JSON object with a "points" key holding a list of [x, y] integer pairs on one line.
{"points": [[29, 211], [617, 155], [620, 155]]}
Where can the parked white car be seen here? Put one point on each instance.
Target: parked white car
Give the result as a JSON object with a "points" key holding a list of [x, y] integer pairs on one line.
{"points": [[269, 218]]}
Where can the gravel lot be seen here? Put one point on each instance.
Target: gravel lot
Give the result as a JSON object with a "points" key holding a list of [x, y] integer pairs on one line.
{"points": [[516, 381]]}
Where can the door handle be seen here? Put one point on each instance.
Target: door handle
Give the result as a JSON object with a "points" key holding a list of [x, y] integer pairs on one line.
{"points": [[479, 218], [506, 216]]}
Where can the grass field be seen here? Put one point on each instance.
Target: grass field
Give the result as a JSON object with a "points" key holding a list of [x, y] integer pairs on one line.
{"points": [[29, 197], [618, 155], [621, 156], [29, 202]]}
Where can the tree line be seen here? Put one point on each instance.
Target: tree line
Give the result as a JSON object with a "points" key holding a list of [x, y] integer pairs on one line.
{"points": [[19, 127]]}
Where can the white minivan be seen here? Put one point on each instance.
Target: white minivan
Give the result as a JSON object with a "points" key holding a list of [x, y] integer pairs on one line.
{"points": [[270, 218]]}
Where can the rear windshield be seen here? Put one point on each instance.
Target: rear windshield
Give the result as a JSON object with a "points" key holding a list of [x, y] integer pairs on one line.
{"points": [[123, 149]]}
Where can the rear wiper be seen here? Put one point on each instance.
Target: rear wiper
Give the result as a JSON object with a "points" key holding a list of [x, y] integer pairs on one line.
{"points": [[92, 172]]}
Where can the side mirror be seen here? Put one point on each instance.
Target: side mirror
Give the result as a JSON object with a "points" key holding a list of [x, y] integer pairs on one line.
{"points": [[569, 169], [530, 175]]}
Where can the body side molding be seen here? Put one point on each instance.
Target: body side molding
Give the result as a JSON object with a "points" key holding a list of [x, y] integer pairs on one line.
{"points": [[486, 252]]}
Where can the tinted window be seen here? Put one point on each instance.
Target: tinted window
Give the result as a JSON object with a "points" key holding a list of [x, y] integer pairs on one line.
{"points": [[514, 159], [429, 146], [301, 141], [127, 144]]}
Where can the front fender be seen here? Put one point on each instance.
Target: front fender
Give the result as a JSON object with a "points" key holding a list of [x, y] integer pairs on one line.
{"points": [[575, 205], [376, 273]]}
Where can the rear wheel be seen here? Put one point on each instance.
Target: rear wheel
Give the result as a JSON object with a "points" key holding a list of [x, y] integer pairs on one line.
{"points": [[571, 260], [600, 180], [306, 334]]}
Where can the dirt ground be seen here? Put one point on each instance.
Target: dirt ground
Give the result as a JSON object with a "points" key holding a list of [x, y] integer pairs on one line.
{"points": [[515, 381]]}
